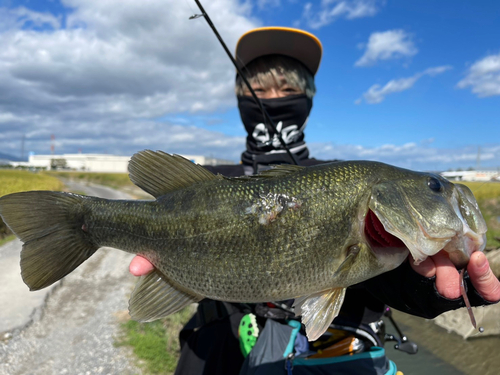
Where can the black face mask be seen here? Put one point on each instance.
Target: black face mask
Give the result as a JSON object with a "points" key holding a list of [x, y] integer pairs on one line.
{"points": [[289, 114]]}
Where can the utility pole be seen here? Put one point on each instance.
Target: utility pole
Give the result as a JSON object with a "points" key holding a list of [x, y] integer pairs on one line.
{"points": [[52, 144], [22, 146]]}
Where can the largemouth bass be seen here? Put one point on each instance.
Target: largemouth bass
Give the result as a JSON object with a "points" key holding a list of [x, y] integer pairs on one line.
{"points": [[290, 232]]}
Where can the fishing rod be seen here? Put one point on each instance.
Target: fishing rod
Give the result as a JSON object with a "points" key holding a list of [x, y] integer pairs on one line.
{"points": [[269, 122]]}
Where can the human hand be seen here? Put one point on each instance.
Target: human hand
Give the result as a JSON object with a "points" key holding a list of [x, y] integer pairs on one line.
{"points": [[140, 266], [448, 278]]}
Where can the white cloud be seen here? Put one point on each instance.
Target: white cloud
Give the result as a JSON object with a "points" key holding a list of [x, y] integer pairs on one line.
{"points": [[21, 17], [412, 155], [376, 93], [331, 10], [122, 137], [117, 66], [483, 77], [386, 45]]}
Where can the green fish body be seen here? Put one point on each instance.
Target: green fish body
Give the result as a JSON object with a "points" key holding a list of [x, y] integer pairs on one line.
{"points": [[290, 232]]}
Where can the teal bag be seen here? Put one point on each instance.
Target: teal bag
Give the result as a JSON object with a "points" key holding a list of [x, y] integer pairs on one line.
{"points": [[273, 354]]}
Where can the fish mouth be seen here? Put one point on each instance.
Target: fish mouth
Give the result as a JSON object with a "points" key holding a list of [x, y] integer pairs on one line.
{"points": [[463, 245], [384, 244], [377, 235], [426, 220], [459, 245]]}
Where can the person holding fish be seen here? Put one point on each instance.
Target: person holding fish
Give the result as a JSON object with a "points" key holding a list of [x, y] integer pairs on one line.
{"points": [[280, 64], [341, 239]]}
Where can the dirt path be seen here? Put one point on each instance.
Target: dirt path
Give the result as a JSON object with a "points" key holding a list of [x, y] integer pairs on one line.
{"points": [[74, 331]]}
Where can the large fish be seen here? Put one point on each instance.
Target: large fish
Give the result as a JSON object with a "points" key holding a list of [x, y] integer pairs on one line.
{"points": [[290, 232]]}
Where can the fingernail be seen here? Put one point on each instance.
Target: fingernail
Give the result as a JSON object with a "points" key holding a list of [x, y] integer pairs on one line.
{"points": [[482, 260]]}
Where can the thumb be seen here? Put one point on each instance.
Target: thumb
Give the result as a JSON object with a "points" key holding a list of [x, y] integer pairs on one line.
{"points": [[482, 277]]}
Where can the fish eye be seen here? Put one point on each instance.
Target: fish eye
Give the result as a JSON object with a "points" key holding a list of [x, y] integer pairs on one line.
{"points": [[434, 184]]}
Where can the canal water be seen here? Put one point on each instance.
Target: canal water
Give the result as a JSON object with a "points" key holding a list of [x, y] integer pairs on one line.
{"points": [[441, 352]]}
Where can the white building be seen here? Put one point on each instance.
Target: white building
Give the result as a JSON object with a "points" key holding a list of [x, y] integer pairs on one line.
{"points": [[481, 175], [98, 162]]}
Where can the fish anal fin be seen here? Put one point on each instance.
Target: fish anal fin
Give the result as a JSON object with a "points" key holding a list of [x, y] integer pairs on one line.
{"points": [[319, 310], [154, 298], [159, 173]]}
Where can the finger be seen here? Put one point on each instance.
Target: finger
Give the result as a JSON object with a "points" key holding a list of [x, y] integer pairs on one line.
{"points": [[483, 279], [427, 268], [140, 266], [447, 276]]}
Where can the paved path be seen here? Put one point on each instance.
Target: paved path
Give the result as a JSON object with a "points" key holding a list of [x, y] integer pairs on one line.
{"points": [[72, 329], [19, 305]]}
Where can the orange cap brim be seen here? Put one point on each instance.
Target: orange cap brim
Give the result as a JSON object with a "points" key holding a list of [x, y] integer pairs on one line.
{"points": [[299, 44]]}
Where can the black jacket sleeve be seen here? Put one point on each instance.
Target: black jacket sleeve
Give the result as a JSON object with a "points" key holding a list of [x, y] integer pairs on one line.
{"points": [[407, 291], [228, 170]]}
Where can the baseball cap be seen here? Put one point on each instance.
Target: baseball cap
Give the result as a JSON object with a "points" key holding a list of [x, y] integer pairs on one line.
{"points": [[296, 43]]}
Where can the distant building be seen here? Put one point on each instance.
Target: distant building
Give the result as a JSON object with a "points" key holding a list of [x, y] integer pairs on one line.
{"points": [[481, 175], [98, 162]]}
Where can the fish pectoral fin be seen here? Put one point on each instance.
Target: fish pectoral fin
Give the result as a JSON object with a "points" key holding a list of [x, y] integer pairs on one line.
{"points": [[159, 173], [346, 265], [154, 298], [319, 310]]}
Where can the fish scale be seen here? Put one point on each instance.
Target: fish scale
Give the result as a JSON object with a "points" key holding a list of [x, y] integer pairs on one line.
{"points": [[174, 232]]}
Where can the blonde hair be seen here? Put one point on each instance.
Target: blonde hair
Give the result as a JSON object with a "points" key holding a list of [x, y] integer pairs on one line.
{"points": [[269, 70]]}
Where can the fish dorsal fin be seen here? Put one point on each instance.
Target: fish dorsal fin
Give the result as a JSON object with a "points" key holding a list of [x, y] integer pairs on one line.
{"points": [[318, 310], [279, 170], [275, 171], [154, 298], [158, 173]]}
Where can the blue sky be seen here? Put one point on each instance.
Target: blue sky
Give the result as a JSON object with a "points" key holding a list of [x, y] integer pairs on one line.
{"points": [[413, 83]]}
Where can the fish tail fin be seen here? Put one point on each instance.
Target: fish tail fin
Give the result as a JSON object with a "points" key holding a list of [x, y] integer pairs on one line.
{"points": [[52, 228]]}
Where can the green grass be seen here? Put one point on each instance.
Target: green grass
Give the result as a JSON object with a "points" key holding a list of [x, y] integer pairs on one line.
{"points": [[488, 199], [155, 344], [114, 180], [13, 181], [490, 209], [4, 240], [483, 190]]}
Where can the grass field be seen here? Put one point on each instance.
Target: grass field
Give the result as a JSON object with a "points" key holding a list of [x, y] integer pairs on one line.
{"points": [[114, 180], [484, 190], [488, 199], [156, 344], [13, 181]]}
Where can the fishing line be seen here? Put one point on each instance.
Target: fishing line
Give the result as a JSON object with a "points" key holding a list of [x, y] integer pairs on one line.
{"points": [[478, 187], [269, 123], [467, 303], [191, 9]]}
